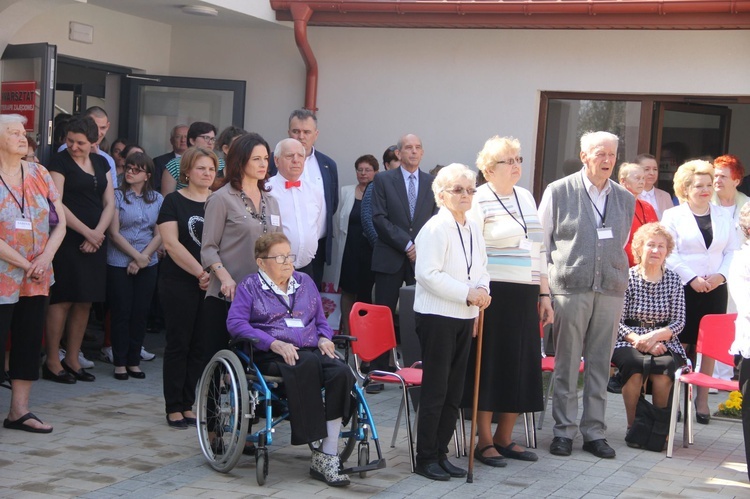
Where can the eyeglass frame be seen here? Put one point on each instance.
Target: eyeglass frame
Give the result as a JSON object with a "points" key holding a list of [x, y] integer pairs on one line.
{"points": [[134, 169], [291, 257], [459, 191], [207, 138], [511, 161]]}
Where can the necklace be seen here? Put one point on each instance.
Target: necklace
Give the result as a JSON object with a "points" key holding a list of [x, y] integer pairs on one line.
{"points": [[708, 209], [260, 217]]}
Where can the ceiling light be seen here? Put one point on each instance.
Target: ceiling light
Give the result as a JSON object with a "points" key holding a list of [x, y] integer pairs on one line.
{"points": [[200, 10]]}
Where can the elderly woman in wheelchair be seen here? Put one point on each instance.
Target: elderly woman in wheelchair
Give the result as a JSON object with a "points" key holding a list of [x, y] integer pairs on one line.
{"points": [[280, 311]]}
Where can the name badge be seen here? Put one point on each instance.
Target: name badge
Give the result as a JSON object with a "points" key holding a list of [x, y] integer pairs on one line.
{"points": [[292, 322], [604, 233], [275, 220], [525, 244], [23, 224]]}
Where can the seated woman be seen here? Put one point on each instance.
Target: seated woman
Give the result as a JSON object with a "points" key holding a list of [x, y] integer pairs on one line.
{"points": [[281, 311], [652, 316]]}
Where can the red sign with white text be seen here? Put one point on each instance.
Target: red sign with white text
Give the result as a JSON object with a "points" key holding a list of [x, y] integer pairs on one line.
{"points": [[19, 97]]}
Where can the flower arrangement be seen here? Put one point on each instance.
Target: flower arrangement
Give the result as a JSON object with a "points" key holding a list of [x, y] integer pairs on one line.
{"points": [[733, 405]]}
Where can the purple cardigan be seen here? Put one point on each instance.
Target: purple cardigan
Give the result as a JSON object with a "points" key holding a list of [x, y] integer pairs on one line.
{"points": [[258, 314]]}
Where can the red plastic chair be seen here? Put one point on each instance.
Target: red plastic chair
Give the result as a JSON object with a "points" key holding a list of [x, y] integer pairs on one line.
{"points": [[715, 336], [372, 325], [548, 366]]}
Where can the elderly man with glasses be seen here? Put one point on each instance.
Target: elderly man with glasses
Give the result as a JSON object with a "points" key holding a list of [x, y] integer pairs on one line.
{"points": [[199, 134]]}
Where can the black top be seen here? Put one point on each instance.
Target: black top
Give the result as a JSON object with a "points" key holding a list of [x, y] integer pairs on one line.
{"points": [[189, 217], [704, 224]]}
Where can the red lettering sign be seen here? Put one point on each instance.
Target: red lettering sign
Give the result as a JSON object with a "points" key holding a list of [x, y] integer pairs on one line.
{"points": [[19, 97]]}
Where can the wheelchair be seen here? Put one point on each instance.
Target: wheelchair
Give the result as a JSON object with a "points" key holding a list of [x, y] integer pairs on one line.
{"points": [[233, 393]]}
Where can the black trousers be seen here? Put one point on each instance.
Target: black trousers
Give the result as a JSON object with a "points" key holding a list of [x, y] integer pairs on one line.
{"points": [[387, 287], [184, 353], [25, 321], [129, 298], [215, 311], [302, 383], [319, 263], [745, 389], [445, 343]]}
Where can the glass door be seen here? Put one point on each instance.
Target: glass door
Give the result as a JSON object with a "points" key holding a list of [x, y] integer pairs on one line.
{"points": [[28, 88], [152, 105]]}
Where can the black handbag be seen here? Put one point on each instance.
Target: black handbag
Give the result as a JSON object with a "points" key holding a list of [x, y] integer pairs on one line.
{"points": [[651, 425]]}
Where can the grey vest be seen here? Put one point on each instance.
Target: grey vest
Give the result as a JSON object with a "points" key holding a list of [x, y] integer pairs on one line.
{"points": [[578, 260]]}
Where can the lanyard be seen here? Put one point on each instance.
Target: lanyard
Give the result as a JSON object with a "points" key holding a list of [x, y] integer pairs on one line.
{"points": [[643, 212], [288, 306], [522, 223], [602, 216], [22, 204], [471, 250]]}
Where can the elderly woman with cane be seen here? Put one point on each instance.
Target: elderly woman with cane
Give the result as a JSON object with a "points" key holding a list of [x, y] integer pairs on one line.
{"points": [[452, 287]]}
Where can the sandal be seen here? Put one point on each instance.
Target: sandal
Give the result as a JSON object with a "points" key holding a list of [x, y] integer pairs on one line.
{"points": [[18, 424], [514, 454], [494, 461]]}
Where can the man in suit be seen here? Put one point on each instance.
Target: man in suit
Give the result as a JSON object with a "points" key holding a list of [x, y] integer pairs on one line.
{"points": [[321, 173], [178, 140], [586, 219], [402, 202]]}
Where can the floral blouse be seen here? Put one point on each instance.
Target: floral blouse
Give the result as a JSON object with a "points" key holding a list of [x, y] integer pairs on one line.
{"points": [[662, 301], [34, 194]]}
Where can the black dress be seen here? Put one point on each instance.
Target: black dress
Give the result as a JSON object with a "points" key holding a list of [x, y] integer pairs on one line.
{"points": [[356, 276], [80, 277]]}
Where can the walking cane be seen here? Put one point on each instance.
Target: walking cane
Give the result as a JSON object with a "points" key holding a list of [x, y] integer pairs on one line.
{"points": [[475, 399]]}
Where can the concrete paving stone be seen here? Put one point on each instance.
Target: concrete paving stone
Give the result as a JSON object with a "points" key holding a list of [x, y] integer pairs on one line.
{"points": [[598, 495]]}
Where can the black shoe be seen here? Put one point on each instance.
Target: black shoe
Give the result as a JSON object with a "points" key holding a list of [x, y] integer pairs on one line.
{"points": [[615, 384], [561, 446], [451, 469], [136, 374], [179, 424], [508, 452], [121, 376], [702, 418], [433, 471], [599, 448], [375, 388], [79, 375], [61, 377], [494, 461], [190, 421]]}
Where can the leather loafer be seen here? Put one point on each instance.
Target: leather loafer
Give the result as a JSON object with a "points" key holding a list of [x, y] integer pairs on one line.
{"points": [[179, 424], [61, 377], [433, 471], [80, 375], [561, 446], [374, 388], [121, 376], [136, 374], [514, 454], [190, 421], [599, 448], [494, 461], [451, 469]]}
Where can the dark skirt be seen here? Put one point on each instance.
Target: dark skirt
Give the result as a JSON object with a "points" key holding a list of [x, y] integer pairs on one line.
{"points": [[511, 371], [696, 306], [79, 277], [629, 361], [302, 384]]}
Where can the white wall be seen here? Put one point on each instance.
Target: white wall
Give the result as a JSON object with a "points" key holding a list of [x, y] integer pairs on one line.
{"points": [[119, 39], [454, 88]]}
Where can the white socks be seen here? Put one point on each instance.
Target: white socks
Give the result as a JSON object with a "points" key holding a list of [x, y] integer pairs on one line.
{"points": [[330, 444]]}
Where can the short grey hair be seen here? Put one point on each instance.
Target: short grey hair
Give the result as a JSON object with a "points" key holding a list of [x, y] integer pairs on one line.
{"points": [[448, 175], [590, 140], [177, 127], [744, 221], [302, 115], [626, 169], [283, 143], [7, 119]]}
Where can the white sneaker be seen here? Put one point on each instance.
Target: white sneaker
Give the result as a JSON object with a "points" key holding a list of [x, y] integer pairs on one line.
{"points": [[147, 355], [85, 363], [105, 354], [713, 390]]}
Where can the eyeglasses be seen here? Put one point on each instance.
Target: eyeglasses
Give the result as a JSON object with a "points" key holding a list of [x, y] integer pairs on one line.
{"points": [[458, 191], [281, 259], [362, 171], [134, 169], [180, 137], [512, 161], [208, 138]]}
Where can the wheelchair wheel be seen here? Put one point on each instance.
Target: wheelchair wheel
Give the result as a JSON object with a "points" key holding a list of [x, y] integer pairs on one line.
{"points": [[364, 458], [261, 465], [222, 406]]}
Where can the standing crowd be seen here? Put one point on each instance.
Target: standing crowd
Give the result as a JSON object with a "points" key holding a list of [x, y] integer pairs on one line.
{"points": [[234, 239]]}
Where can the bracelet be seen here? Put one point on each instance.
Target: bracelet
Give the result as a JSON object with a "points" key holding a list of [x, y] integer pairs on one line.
{"points": [[541, 295]]}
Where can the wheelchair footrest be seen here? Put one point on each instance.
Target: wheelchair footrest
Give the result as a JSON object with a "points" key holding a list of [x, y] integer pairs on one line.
{"points": [[377, 464]]}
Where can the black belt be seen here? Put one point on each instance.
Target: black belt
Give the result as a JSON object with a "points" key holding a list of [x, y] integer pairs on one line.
{"points": [[646, 324]]}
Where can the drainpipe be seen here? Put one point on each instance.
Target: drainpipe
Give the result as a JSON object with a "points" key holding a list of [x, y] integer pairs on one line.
{"points": [[301, 13]]}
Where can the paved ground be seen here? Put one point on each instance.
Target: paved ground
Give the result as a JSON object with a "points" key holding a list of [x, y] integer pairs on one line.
{"points": [[111, 440]]}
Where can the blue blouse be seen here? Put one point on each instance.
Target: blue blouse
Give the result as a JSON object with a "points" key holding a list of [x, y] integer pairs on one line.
{"points": [[137, 224]]}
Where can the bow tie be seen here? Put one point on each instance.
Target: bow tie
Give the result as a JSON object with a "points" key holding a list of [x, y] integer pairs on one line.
{"points": [[289, 184]]}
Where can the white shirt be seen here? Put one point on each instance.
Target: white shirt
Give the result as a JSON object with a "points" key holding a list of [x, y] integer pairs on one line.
{"points": [[301, 210], [598, 198], [311, 176], [650, 198]]}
